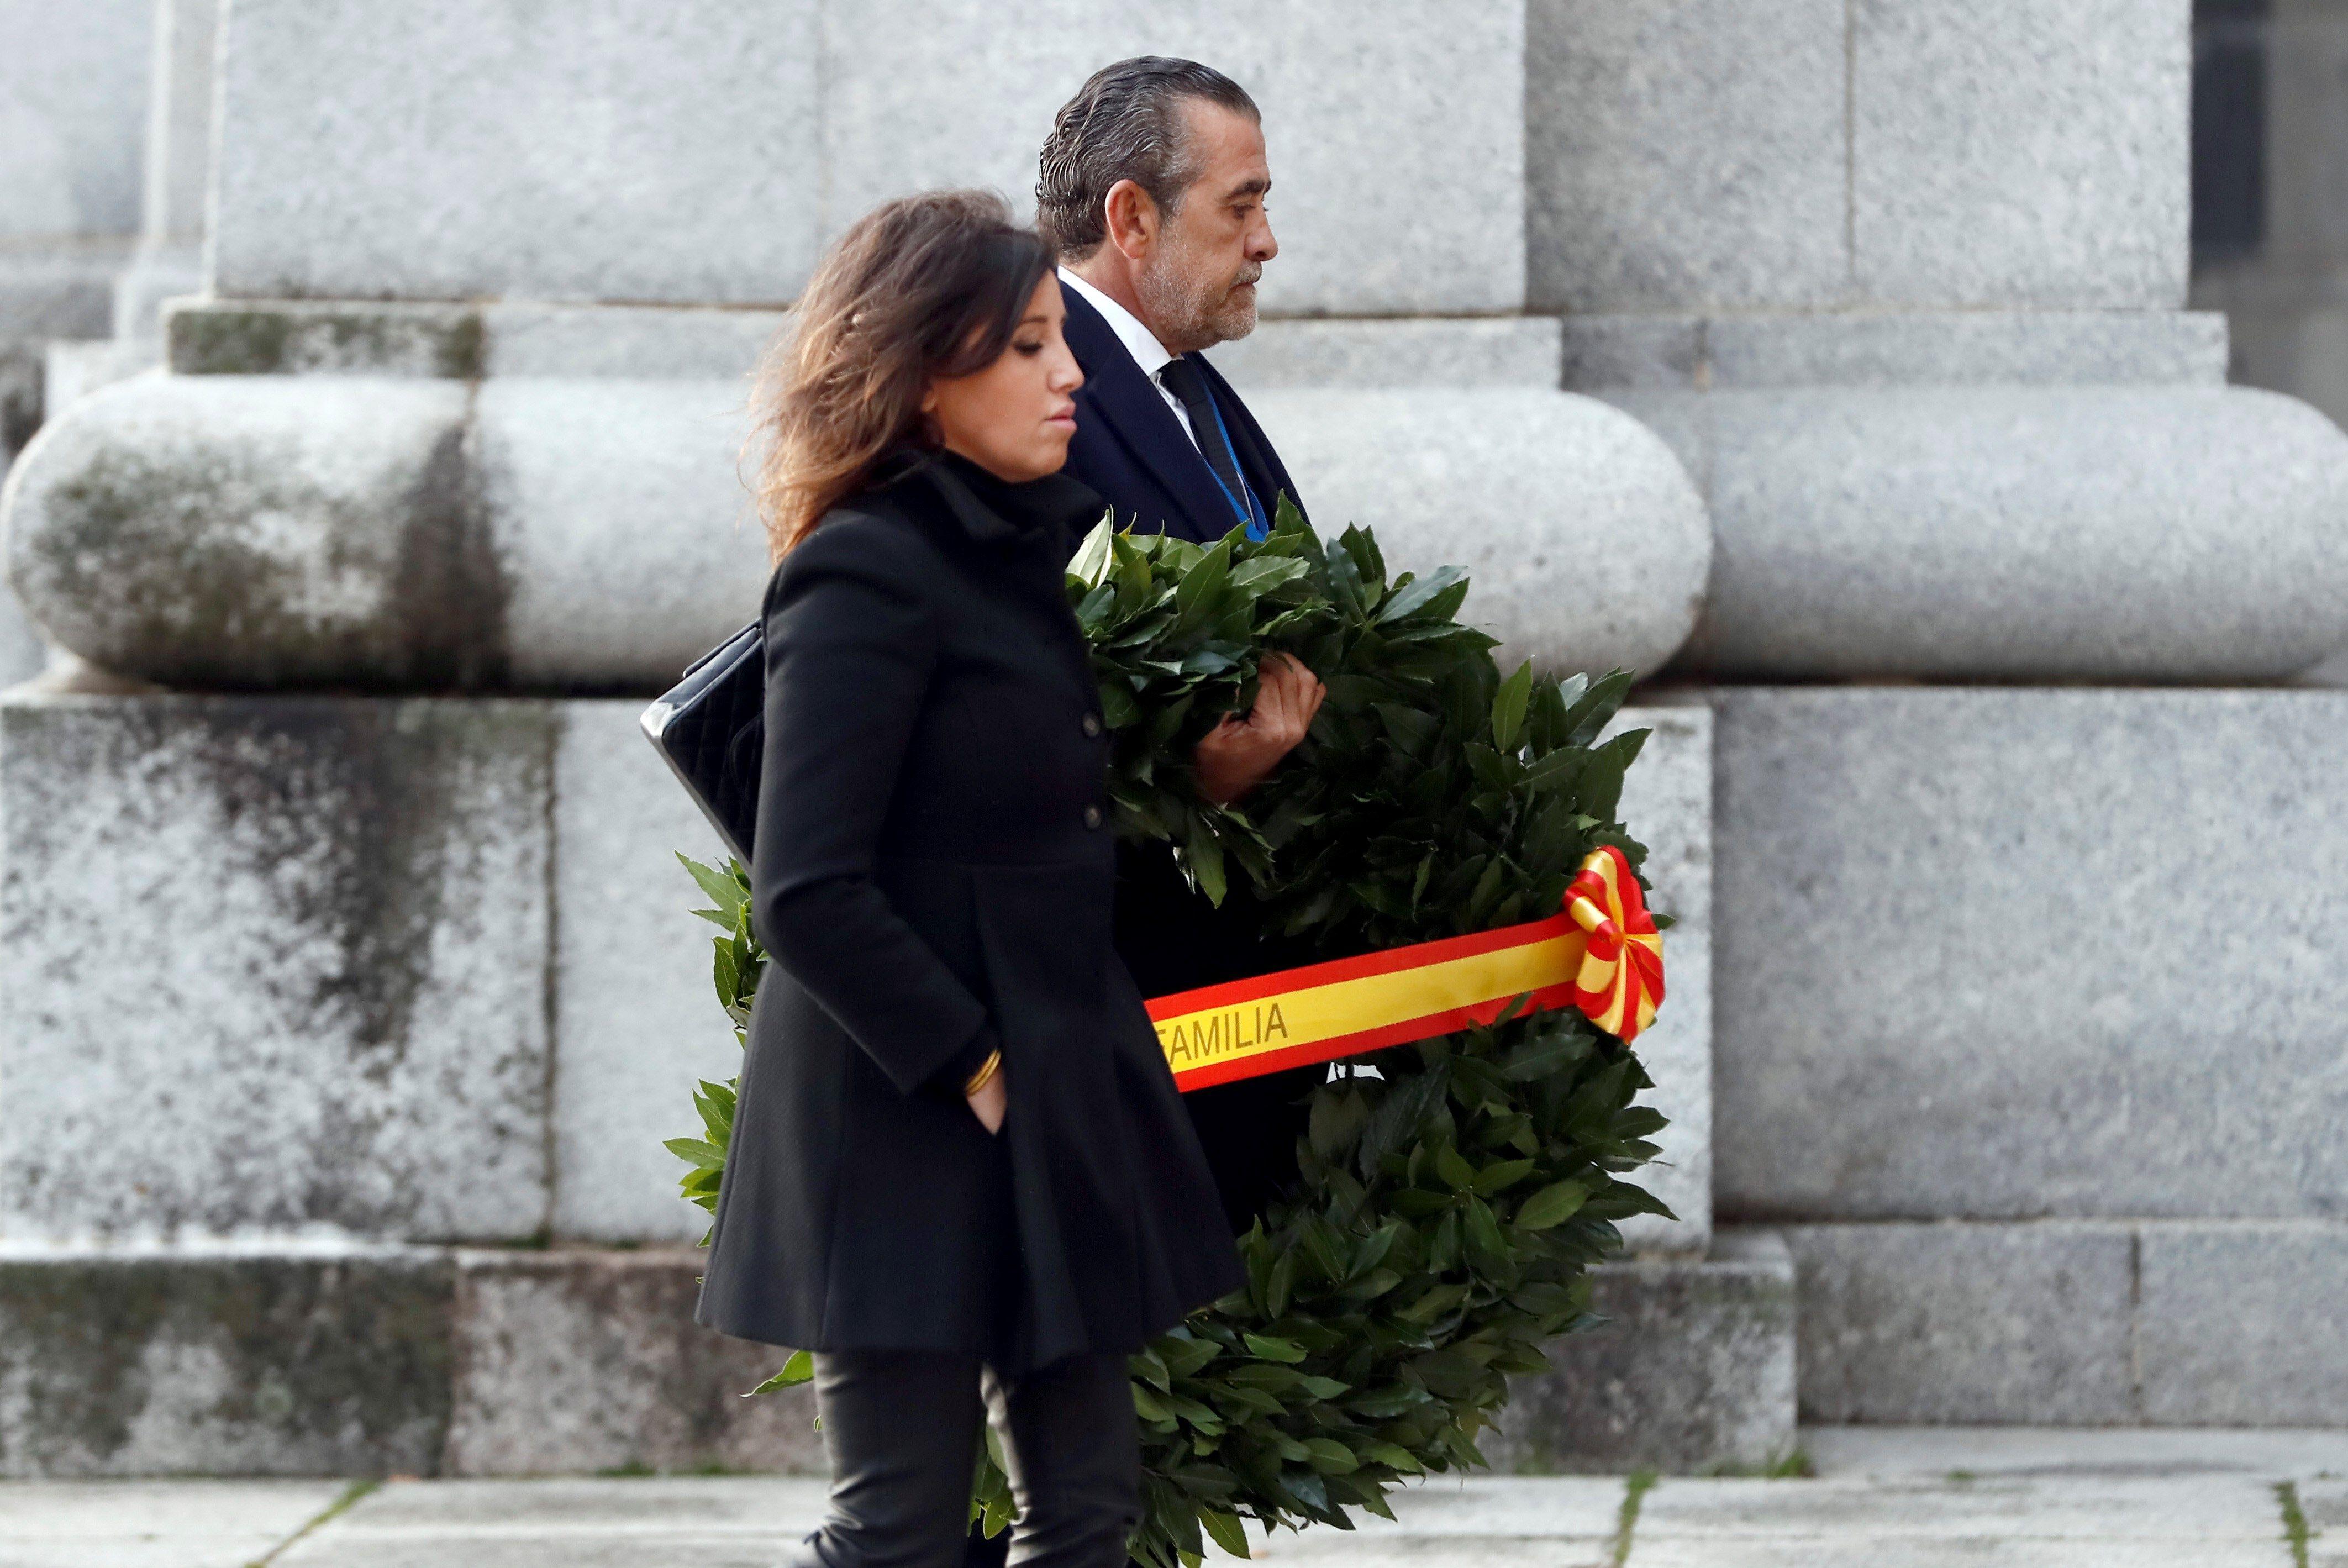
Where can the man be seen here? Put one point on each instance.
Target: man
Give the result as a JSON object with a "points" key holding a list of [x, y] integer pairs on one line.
{"points": [[1153, 183]]}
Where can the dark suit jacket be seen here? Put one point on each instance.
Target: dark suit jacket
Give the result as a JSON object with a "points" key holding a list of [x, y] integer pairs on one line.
{"points": [[1131, 448], [932, 873]]}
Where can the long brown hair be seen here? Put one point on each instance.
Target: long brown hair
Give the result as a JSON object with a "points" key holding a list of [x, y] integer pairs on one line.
{"points": [[924, 286]]}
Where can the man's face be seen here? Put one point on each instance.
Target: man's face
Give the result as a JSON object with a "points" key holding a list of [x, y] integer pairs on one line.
{"points": [[1197, 285]]}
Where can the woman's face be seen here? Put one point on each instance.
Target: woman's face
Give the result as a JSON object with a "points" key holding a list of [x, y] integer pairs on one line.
{"points": [[1014, 418]]}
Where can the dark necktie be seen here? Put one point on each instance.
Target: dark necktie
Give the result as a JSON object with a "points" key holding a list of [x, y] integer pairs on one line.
{"points": [[1181, 376]]}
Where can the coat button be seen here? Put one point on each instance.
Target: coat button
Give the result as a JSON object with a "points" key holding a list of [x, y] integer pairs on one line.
{"points": [[1092, 724], [1092, 816]]}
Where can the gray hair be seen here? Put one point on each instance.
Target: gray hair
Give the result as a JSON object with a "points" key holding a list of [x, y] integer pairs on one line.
{"points": [[1124, 124]]}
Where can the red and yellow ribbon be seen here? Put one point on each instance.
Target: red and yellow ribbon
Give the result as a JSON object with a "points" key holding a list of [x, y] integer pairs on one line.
{"points": [[1601, 952]]}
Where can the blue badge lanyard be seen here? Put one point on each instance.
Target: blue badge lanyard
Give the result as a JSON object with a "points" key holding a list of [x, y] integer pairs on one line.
{"points": [[1257, 525]]}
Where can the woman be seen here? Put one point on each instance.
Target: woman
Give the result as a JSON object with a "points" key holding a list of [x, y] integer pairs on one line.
{"points": [[959, 1170]]}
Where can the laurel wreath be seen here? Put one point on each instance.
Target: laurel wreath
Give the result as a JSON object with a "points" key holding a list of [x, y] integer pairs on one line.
{"points": [[1453, 1193]]}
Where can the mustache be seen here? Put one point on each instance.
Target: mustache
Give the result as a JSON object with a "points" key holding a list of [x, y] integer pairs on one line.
{"points": [[1252, 272]]}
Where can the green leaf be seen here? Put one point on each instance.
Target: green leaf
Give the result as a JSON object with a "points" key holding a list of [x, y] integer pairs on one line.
{"points": [[1226, 1531], [1508, 706], [799, 1369], [1091, 561], [1553, 1205], [1275, 1349]]}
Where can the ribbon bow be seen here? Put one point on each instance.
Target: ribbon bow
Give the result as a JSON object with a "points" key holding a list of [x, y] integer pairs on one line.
{"points": [[1622, 975]]}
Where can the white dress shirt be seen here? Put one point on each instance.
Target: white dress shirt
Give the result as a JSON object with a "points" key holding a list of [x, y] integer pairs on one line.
{"points": [[1140, 341]]}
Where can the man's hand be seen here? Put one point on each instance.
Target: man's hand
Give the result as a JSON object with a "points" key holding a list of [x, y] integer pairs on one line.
{"points": [[1237, 754]]}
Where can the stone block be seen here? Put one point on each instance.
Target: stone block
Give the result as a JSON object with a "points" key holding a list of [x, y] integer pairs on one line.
{"points": [[465, 342], [591, 1360], [1608, 353], [1685, 154], [384, 532], [253, 532], [1587, 545], [1358, 106], [1967, 348], [177, 174], [272, 961], [2244, 1324], [1667, 802], [2010, 953], [1433, 351], [637, 1022], [73, 116], [1694, 1368], [623, 528], [591, 534], [329, 1360], [639, 1521], [148, 1524], [2107, 533], [2005, 1324], [2032, 1521], [449, 149], [2006, 153]]}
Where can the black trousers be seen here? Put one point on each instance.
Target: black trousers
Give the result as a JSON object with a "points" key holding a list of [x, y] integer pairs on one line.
{"points": [[901, 1430]]}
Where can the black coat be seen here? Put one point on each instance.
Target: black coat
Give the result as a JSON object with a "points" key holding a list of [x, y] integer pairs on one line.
{"points": [[933, 873], [1131, 448]]}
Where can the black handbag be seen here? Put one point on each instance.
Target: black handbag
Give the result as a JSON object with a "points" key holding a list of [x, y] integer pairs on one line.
{"points": [[711, 728]]}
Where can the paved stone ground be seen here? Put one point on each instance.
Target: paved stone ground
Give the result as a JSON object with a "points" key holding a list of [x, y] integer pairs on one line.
{"points": [[1882, 1498]]}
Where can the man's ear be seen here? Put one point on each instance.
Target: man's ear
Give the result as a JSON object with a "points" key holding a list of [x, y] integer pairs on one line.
{"points": [[1130, 218]]}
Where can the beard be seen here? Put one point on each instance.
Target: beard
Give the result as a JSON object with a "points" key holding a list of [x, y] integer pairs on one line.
{"points": [[1202, 308]]}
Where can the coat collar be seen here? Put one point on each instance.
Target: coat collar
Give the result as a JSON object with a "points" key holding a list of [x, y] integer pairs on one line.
{"points": [[990, 510]]}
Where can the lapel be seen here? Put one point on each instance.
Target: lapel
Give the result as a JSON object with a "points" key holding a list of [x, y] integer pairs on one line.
{"points": [[1135, 414], [1258, 462]]}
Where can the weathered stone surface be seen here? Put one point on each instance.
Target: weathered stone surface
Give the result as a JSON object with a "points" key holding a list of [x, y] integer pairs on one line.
{"points": [[73, 116], [1667, 801], [1877, 1452], [1586, 543], [2101, 532], [2016, 952], [2244, 1324], [623, 528], [638, 1521], [323, 1361], [1603, 352], [636, 1023], [450, 148], [178, 165], [2030, 1522], [1967, 348], [1427, 351], [1696, 1368], [591, 1360], [594, 534], [464, 342], [271, 962], [1966, 1323], [1358, 106], [152, 1524], [1685, 155], [389, 533], [252, 532], [2005, 154]]}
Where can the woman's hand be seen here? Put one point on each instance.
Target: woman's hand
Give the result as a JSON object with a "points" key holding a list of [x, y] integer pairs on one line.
{"points": [[990, 1102], [1239, 754]]}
